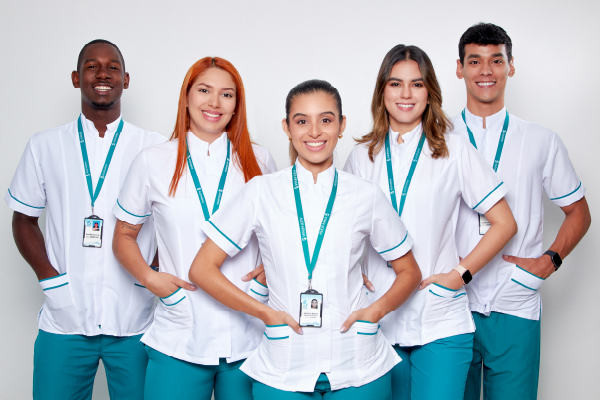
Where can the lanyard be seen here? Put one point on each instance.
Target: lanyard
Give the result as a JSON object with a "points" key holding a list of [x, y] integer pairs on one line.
{"points": [[219, 195], [500, 142], [86, 162], [310, 264], [390, 172]]}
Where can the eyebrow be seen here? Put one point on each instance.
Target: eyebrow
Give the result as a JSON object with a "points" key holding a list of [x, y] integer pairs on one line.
{"points": [[400, 80], [323, 113], [211, 87], [479, 56], [95, 60]]}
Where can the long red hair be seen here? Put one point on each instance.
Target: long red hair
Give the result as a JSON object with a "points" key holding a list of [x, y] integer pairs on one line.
{"points": [[237, 128]]}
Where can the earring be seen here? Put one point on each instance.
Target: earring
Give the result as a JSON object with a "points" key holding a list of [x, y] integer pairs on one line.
{"points": [[341, 136], [290, 138]]}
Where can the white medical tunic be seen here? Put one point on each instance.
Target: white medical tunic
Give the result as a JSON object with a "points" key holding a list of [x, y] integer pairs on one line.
{"points": [[430, 213], [534, 160], [93, 294], [266, 207], [191, 325]]}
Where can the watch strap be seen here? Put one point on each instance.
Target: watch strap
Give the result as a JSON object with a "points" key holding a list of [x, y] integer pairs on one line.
{"points": [[556, 260], [465, 274]]}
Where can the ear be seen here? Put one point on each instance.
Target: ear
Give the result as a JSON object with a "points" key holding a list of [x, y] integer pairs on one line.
{"points": [[75, 79], [343, 125], [126, 81], [459, 70], [511, 71], [286, 128]]}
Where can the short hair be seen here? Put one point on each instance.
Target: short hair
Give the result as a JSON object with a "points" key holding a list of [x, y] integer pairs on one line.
{"points": [[79, 59], [483, 34]]}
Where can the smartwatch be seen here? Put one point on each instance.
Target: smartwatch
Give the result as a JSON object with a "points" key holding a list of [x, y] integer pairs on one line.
{"points": [[556, 260], [464, 273]]}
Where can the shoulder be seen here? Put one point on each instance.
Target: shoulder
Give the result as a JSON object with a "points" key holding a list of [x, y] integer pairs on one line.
{"points": [[264, 158], [361, 185], [535, 130], [146, 137], [49, 136], [360, 153], [160, 151]]}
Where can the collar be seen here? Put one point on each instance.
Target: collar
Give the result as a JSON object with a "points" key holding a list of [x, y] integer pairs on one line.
{"points": [[493, 122], [92, 132], [324, 178], [408, 137], [197, 145]]}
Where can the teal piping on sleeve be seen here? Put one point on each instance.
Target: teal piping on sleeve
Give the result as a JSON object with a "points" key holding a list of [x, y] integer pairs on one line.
{"points": [[25, 204], [488, 195], [138, 285], [232, 242], [137, 216], [395, 247], [556, 198]]}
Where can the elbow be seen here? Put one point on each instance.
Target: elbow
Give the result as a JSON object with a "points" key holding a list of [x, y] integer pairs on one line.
{"points": [[513, 228]]}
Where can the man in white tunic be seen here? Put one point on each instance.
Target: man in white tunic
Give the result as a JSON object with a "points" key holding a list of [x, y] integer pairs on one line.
{"points": [[93, 309], [531, 160]]}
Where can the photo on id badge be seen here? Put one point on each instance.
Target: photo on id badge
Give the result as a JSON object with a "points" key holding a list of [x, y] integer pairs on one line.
{"points": [[311, 309], [92, 231]]}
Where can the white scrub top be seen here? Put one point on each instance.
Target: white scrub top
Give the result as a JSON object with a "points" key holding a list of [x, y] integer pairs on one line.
{"points": [[93, 294], [430, 214], [534, 160], [192, 326], [266, 207]]}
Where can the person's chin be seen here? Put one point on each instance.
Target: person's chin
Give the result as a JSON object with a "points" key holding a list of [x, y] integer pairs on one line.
{"points": [[103, 104]]}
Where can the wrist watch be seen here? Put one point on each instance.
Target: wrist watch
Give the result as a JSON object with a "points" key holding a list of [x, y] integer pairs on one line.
{"points": [[464, 273], [556, 260]]}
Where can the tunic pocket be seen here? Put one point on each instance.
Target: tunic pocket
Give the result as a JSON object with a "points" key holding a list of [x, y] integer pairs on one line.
{"points": [[444, 305], [174, 314], [520, 292], [276, 340], [366, 342], [59, 305]]}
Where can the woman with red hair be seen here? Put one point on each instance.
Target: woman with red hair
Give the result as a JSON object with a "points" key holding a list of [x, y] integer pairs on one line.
{"points": [[195, 344]]}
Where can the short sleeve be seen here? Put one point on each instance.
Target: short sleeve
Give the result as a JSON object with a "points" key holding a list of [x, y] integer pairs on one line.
{"points": [[26, 193], [481, 187], [349, 166], [270, 164], [231, 227], [561, 183], [133, 204], [389, 236]]}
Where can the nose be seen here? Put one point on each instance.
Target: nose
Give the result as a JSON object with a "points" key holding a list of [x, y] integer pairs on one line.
{"points": [[314, 132], [214, 100], [103, 73], [486, 70], [406, 92]]}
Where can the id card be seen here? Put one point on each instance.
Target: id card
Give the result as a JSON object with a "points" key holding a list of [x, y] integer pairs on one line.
{"points": [[311, 309], [92, 231], [484, 224]]}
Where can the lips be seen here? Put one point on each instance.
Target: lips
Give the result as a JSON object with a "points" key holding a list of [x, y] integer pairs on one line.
{"points": [[485, 84], [405, 106], [212, 116], [102, 88], [315, 145]]}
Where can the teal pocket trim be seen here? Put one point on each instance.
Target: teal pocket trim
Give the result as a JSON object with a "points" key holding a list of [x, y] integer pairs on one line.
{"points": [[524, 270], [137, 216], [169, 305], [276, 326], [369, 334], [276, 338], [556, 198], [138, 285], [444, 287], [488, 195], [435, 294], [259, 283], [171, 294], [232, 242], [52, 277], [366, 322], [25, 204], [395, 247], [255, 292], [57, 286], [525, 286], [460, 294]]}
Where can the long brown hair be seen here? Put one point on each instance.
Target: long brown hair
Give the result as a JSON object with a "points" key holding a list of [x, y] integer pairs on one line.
{"points": [[435, 122], [237, 128]]}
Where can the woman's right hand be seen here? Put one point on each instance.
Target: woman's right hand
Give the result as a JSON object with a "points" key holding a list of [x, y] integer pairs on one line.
{"points": [[282, 318], [162, 284]]}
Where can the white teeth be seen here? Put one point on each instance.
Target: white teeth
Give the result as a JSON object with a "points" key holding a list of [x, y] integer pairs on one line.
{"points": [[406, 106], [103, 88], [211, 115], [485, 84], [315, 144]]}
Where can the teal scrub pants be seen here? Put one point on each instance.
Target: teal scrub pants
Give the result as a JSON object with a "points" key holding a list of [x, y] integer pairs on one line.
{"points": [[64, 366], [169, 378], [379, 389], [507, 350], [437, 370]]}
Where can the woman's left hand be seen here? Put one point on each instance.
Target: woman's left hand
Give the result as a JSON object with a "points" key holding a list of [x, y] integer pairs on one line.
{"points": [[364, 314], [451, 280]]}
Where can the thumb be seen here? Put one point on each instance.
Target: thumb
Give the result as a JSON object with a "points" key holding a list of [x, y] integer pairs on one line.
{"points": [[512, 259], [183, 284], [368, 283], [426, 282], [348, 322]]}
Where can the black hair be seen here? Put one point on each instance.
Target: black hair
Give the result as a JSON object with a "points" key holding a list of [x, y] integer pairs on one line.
{"points": [[483, 34], [99, 41], [309, 87]]}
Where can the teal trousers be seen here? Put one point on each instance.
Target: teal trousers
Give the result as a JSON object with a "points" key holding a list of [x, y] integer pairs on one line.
{"points": [[506, 351], [435, 371], [379, 389], [64, 366], [169, 378]]}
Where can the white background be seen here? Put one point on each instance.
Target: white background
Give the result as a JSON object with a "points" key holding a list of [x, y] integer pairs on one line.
{"points": [[276, 45]]}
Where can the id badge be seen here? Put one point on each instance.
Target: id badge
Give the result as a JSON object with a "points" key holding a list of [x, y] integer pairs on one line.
{"points": [[92, 231], [484, 224], [311, 309]]}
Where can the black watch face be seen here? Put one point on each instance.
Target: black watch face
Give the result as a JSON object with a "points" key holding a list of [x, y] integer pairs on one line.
{"points": [[467, 277]]}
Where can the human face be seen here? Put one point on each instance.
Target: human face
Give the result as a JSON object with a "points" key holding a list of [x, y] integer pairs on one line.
{"points": [[101, 77], [314, 128], [485, 71], [405, 96], [211, 103]]}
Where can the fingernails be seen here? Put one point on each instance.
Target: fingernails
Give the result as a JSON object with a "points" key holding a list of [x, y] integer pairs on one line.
{"points": [[193, 287], [343, 329], [372, 288], [505, 257], [300, 331]]}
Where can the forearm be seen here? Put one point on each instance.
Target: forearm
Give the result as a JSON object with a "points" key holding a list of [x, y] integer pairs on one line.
{"points": [[30, 242], [127, 251], [573, 229]]}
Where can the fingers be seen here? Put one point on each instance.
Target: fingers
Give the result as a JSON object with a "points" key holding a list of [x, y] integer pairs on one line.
{"points": [[368, 283], [262, 278], [348, 322], [183, 284], [294, 325], [427, 282], [512, 259], [255, 273]]}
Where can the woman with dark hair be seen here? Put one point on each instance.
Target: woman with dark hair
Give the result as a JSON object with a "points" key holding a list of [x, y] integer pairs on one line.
{"points": [[411, 148], [312, 222], [195, 344]]}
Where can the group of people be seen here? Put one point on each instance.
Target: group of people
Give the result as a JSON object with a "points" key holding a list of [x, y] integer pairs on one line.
{"points": [[413, 273]]}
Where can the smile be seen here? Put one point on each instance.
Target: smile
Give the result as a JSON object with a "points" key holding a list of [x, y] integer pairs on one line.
{"points": [[485, 84], [211, 116], [314, 144], [103, 88], [405, 107]]}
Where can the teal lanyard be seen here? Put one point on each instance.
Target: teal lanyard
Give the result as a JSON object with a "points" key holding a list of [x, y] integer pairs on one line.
{"points": [[500, 142], [219, 195], [86, 161], [310, 264], [390, 172]]}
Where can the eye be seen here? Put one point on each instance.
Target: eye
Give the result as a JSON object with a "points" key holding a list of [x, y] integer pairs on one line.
{"points": [[418, 84], [227, 95], [302, 122], [498, 61], [325, 120], [474, 62], [394, 84], [203, 90]]}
